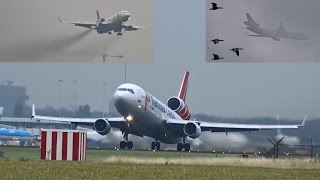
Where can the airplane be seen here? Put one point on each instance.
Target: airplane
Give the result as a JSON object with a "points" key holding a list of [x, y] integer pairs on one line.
{"points": [[216, 41], [15, 134], [144, 115], [274, 34], [215, 7], [216, 57], [116, 23], [236, 50], [104, 56]]}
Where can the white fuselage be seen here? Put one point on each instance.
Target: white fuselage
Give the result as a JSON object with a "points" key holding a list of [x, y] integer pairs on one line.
{"points": [[276, 35], [149, 114], [114, 23]]}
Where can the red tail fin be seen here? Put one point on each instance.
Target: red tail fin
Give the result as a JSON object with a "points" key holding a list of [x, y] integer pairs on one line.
{"points": [[184, 86], [98, 16]]}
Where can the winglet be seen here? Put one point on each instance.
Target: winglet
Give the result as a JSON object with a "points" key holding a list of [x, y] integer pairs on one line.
{"points": [[184, 86], [304, 121], [33, 112]]}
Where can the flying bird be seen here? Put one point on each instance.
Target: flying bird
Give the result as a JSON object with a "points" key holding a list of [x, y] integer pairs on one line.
{"points": [[236, 50], [216, 57], [215, 7], [216, 41]]}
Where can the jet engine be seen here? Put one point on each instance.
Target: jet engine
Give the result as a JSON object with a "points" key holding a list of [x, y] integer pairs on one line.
{"points": [[178, 105], [192, 130], [102, 126]]}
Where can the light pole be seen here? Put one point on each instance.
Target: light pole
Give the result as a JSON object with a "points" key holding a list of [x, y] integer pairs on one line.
{"points": [[104, 98], [74, 97], [60, 85]]}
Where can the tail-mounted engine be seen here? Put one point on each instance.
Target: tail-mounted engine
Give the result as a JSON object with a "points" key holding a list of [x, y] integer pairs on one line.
{"points": [[177, 105], [102, 126]]}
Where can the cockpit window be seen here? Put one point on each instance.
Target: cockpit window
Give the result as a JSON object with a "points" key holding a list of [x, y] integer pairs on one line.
{"points": [[125, 89], [131, 90]]}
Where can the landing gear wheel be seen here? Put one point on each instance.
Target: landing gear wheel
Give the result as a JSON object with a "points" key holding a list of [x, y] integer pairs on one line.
{"points": [[186, 147], [183, 146], [129, 145], [123, 144], [179, 147], [158, 146], [153, 146]]}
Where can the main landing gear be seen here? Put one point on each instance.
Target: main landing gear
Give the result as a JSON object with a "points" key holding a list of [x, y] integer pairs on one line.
{"points": [[155, 145], [183, 146], [126, 144]]}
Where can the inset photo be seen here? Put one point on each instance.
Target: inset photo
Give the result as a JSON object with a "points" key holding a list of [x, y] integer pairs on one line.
{"points": [[76, 31], [262, 31]]}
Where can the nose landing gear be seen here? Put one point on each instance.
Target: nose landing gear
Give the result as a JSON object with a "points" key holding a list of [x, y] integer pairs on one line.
{"points": [[126, 144]]}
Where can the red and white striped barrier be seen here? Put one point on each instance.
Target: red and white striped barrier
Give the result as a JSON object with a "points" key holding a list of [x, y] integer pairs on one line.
{"points": [[63, 144]]}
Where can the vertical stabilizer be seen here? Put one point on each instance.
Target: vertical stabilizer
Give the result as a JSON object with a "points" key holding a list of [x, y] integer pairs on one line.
{"points": [[250, 22], [184, 86], [281, 29], [98, 16]]}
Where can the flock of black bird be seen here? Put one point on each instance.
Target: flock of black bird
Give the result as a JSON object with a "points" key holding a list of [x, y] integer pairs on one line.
{"points": [[216, 41]]}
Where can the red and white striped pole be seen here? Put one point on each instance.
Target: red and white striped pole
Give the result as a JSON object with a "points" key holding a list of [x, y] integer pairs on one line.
{"points": [[63, 144]]}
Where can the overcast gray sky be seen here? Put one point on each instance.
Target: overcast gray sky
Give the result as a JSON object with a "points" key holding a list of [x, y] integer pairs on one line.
{"points": [[30, 30], [296, 16], [222, 89]]}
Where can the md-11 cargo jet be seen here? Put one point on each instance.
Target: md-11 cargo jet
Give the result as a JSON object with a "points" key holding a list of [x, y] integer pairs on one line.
{"points": [[274, 34], [144, 115], [116, 24]]}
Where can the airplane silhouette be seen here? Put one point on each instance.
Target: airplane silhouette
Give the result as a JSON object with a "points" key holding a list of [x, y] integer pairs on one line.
{"points": [[215, 7]]}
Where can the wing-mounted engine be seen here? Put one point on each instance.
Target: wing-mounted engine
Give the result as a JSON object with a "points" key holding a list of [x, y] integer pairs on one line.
{"points": [[178, 105], [102, 126], [192, 129]]}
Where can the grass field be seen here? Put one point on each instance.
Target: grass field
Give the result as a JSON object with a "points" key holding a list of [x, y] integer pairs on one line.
{"points": [[15, 153], [112, 164]]}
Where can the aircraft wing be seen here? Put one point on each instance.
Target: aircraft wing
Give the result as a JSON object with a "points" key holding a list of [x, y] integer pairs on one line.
{"points": [[232, 127], [116, 122], [133, 27], [256, 35], [86, 24]]}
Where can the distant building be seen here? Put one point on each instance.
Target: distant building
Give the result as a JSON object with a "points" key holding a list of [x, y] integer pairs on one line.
{"points": [[10, 95]]}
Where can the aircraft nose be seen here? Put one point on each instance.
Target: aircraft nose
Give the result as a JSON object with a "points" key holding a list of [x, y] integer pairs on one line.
{"points": [[118, 98], [121, 102]]}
